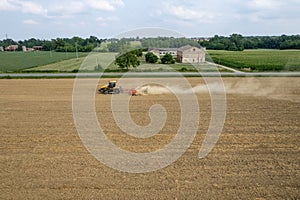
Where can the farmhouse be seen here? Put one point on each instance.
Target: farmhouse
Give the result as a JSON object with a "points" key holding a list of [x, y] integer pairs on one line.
{"points": [[185, 54], [189, 54]]}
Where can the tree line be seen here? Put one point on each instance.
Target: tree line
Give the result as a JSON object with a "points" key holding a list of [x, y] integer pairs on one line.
{"points": [[237, 42], [58, 44], [234, 42]]}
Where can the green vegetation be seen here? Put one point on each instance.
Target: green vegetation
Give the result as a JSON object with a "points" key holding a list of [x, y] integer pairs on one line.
{"points": [[167, 59], [151, 57], [237, 42], [124, 61], [58, 44], [18, 61], [51, 61], [258, 60], [93, 62]]}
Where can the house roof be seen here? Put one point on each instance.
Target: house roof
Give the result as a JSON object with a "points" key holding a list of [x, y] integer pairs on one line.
{"points": [[186, 47]]}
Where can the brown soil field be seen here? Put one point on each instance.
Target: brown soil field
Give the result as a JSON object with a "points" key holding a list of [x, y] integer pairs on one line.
{"points": [[256, 157]]}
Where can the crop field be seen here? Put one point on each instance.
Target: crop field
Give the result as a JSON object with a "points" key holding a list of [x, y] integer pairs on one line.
{"points": [[87, 63], [256, 156], [248, 60], [258, 60], [18, 61]]}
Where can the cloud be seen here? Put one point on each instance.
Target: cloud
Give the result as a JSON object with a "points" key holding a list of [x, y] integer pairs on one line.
{"points": [[60, 9], [32, 8], [6, 5], [23, 6], [188, 12], [106, 5], [30, 22], [265, 4]]}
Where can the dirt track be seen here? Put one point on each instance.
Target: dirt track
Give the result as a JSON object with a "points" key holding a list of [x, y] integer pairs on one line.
{"points": [[256, 157]]}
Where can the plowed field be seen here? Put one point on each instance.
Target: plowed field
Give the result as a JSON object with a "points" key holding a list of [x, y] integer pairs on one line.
{"points": [[256, 157]]}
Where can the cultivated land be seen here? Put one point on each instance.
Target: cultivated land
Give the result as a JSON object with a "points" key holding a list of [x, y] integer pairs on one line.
{"points": [[18, 61], [247, 60], [256, 157], [258, 60]]}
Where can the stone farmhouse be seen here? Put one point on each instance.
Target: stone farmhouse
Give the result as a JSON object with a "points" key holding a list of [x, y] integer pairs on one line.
{"points": [[189, 54], [185, 54]]}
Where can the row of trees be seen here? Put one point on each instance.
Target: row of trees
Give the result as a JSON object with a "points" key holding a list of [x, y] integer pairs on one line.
{"points": [[122, 45], [234, 42], [58, 44], [133, 59], [166, 59], [167, 42], [237, 42]]}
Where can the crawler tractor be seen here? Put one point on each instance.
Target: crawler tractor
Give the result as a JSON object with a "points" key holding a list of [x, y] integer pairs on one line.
{"points": [[110, 88]]}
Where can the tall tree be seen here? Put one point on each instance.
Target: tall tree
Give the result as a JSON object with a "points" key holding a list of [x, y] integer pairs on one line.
{"points": [[167, 59], [151, 57], [126, 60]]}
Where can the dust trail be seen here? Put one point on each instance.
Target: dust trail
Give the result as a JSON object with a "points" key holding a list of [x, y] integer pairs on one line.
{"points": [[268, 88], [157, 89]]}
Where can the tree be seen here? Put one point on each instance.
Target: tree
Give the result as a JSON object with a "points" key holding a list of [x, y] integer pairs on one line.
{"points": [[151, 57], [126, 60], [167, 59], [237, 42]]}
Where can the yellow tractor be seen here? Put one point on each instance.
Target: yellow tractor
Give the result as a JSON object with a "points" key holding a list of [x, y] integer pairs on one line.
{"points": [[110, 88]]}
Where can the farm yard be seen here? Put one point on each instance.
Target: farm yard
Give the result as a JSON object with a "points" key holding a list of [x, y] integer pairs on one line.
{"points": [[256, 156]]}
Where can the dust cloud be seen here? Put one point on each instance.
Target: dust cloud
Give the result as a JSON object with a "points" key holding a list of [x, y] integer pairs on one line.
{"points": [[260, 87]]}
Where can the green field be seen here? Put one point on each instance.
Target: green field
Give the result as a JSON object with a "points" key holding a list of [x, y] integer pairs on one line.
{"points": [[258, 60], [18, 61], [248, 60], [87, 63]]}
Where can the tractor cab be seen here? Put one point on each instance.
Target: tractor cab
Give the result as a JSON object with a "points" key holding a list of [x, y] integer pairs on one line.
{"points": [[112, 84]]}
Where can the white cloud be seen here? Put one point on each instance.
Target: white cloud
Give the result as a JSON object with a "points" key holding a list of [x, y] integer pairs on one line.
{"points": [[70, 9], [189, 13], [7, 5], [23, 6], [265, 4], [30, 22], [32, 8], [107, 5]]}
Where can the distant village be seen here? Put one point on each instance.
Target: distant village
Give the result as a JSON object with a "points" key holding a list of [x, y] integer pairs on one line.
{"points": [[24, 48]]}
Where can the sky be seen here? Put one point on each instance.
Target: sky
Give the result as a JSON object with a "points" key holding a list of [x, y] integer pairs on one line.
{"points": [[25, 19]]}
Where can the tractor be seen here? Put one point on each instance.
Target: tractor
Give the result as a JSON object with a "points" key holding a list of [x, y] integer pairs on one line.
{"points": [[110, 88]]}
